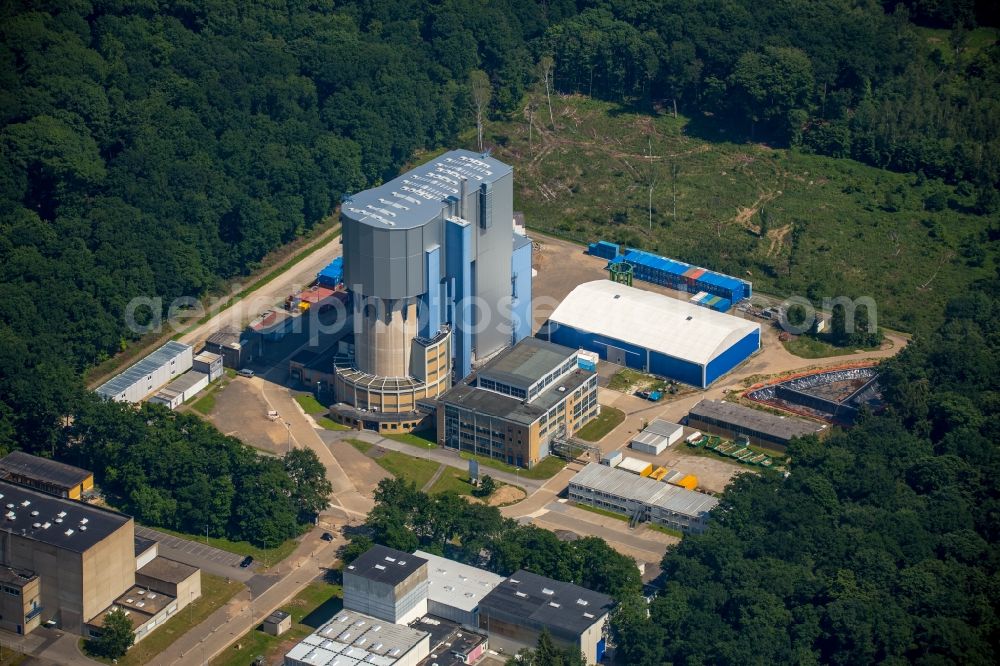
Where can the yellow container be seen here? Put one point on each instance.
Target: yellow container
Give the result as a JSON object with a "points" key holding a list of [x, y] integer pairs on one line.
{"points": [[690, 482], [659, 473]]}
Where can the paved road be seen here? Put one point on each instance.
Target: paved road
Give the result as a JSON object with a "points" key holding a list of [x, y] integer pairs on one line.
{"points": [[201, 644], [274, 291]]}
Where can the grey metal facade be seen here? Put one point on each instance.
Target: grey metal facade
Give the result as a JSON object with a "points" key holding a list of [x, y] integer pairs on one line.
{"points": [[394, 232]]}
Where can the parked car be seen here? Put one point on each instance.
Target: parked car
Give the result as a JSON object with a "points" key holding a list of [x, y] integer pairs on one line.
{"points": [[247, 561], [245, 373], [327, 536]]}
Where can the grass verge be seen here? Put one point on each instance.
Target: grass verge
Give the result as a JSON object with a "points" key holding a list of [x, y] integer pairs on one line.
{"points": [[312, 606], [330, 424], [309, 404], [215, 592], [546, 469], [423, 439], [453, 481], [205, 404], [602, 512], [666, 530], [364, 447], [607, 420]]}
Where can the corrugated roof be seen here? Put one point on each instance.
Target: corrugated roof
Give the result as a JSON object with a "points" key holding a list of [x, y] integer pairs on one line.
{"points": [[618, 483], [650, 320], [418, 196], [527, 362], [42, 469], [783, 427], [117, 385], [661, 427]]}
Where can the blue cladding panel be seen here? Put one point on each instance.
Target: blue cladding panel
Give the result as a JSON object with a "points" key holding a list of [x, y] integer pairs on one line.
{"points": [[567, 336], [675, 368], [520, 270], [458, 253], [602, 647], [732, 357], [430, 302]]}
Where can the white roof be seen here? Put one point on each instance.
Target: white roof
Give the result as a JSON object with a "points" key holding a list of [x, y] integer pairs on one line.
{"points": [[351, 638], [455, 584], [654, 321], [661, 427], [653, 493], [634, 465]]}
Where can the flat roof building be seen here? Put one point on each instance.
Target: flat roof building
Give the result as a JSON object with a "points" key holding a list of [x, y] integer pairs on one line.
{"points": [[652, 332], [388, 584], [657, 436], [234, 348], [516, 612], [49, 476], [149, 374], [356, 639], [518, 403], [644, 499], [454, 589], [83, 555], [759, 427]]}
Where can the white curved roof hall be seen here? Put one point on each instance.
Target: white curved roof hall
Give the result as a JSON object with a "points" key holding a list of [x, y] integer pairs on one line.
{"points": [[650, 320]]}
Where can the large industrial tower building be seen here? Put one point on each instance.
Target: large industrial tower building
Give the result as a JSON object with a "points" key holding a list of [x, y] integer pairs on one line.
{"points": [[439, 281]]}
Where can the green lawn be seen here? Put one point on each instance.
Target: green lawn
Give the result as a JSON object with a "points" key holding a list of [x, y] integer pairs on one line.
{"points": [[858, 230], [10, 658], [409, 468], [453, 481], [423, 439], [607, 420], [268, 557], [546, 469], [309, 404], [806, 346], [330, 424], [315, 604], [205, 404], [364, 447], [602, 512], [215, 592]]}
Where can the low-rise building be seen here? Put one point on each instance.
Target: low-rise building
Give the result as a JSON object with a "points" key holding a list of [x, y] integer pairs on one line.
{"points": [[518, 403], [277, 623], [758, 427], [49, 476], [182, 389], [643, 499], [20, 604], [516, 612], [657, 436], [234, 348], [209, 363], [451, 643], [180, 581], [388, 584], [149, 374], [454, 589], [352, 639]]}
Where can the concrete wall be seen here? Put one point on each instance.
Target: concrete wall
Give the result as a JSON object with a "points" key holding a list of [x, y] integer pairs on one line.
{"points": [[108, 570], [401, 604]]}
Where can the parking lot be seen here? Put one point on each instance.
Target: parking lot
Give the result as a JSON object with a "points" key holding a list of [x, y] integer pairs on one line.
{"points": [[193, 552]]}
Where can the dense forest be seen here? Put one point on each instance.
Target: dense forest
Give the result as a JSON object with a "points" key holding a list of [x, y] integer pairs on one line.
{"points": [[177, 471], [407, 519], [160, 148], [879, 547]]}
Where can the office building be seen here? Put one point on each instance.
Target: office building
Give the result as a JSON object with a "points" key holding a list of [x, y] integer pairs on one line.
{"points": [[438, 282], [516, 612], [641, 498], [388, 584], [519, 403]]}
